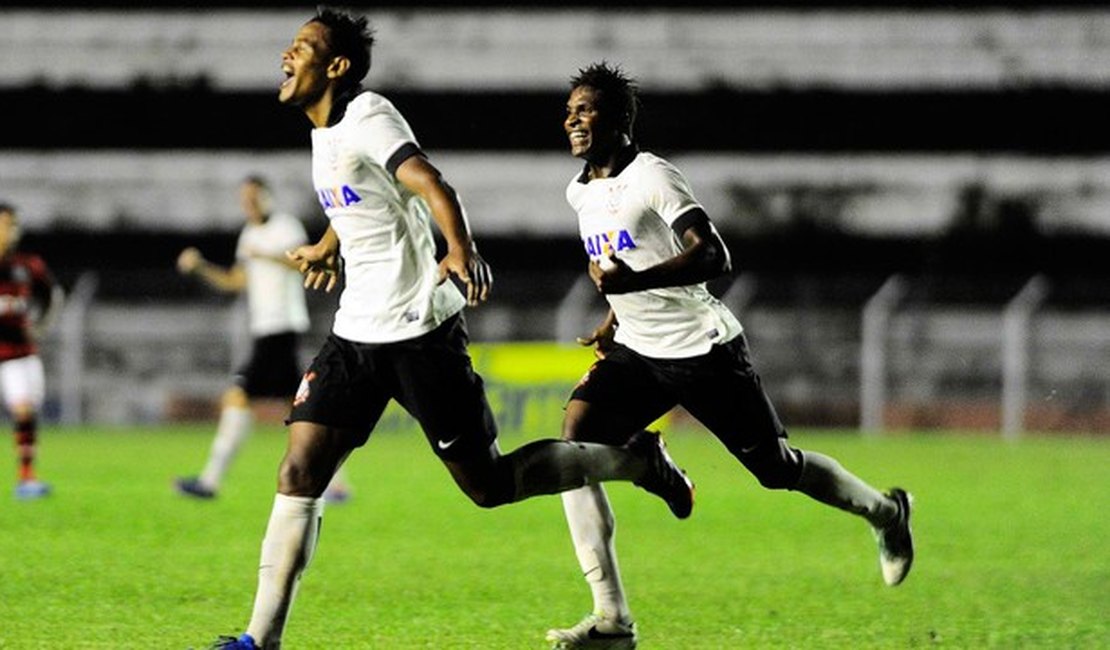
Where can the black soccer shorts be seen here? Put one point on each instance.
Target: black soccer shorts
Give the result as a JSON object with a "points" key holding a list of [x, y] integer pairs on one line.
{"points": [[272, 370], [349, 384], [720, 389]]}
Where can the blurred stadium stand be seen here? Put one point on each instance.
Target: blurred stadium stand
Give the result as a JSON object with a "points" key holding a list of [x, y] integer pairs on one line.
{"points": [[835, 145], [674, 48]]}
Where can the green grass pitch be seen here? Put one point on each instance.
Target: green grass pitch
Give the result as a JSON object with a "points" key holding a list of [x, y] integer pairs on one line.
{"points": [[1012, 551]]}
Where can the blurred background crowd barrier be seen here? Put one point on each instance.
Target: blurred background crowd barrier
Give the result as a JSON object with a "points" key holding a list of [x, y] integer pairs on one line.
{"points": [[917, 199]]}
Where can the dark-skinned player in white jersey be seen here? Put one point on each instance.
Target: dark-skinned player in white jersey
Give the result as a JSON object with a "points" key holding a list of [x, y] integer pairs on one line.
{"points": [[399, 332], [666, 342]]}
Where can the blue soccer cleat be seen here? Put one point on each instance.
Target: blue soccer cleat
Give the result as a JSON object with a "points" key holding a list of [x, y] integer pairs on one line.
{"points": [[32, 489]]}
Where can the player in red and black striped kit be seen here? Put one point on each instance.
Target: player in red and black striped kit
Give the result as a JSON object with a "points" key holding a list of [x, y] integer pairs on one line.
{"points": [[28, 298]]}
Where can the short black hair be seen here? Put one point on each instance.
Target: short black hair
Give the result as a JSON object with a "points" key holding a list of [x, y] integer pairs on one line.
{"points": [[619, 92], [257, 180], [7, 207], [349, 36]]}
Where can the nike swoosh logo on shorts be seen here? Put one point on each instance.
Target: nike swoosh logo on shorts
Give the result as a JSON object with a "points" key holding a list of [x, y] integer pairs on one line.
{"points": [[447, 444]]}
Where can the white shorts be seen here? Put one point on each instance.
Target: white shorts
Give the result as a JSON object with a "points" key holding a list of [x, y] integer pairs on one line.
{"points": [[23, 382]]}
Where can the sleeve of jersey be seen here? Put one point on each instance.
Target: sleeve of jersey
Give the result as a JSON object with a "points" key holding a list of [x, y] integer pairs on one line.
{"points": [[384, 136], [668, 193]]}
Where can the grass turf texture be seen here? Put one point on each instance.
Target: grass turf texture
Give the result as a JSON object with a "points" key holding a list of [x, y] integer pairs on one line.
{"points": [[1011, 540]]}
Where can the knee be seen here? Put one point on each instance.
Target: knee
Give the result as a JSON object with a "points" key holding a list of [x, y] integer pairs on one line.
{"points": [[235, 397], [778, 471], [490, 496], [776, 480], [492, 488], [23, 414], [487, 499], [295, 477]]}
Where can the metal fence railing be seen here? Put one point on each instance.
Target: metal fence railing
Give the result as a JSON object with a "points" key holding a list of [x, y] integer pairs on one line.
{"points": [[891, 362]]}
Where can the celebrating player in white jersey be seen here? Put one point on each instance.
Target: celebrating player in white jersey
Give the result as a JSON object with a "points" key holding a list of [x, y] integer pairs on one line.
{"points": [[399, 331], [278, 316], [667, 341]]}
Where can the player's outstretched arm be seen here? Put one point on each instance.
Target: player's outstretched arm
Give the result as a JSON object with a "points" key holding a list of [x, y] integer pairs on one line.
{"points": [[318, 262], [276, 259], [462, 259], [231, 280]]}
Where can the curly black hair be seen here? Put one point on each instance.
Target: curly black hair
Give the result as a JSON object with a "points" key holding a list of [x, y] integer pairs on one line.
{"points": [[619, 92], [349, 36]]}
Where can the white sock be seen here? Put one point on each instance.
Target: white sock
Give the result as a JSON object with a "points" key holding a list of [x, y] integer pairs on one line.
{"points": [[234, 426], [592, 529], [826, 480], [286, 551]]}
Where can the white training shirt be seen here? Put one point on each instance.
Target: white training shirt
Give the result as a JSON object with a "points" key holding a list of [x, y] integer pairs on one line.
{"points": [[392, 291], [275, 291], [630, 215]]}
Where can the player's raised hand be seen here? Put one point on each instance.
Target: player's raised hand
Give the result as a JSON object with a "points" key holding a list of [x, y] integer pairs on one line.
{"points": [[613, 277], [319, 266], [469, 267], [189, 260]]}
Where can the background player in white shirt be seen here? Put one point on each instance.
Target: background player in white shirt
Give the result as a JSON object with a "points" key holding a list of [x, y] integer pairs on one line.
{"points": [[667, 341], [399, 332], [278, 316]]}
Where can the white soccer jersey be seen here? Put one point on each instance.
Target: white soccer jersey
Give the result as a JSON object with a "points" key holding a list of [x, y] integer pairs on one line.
{"points": [[630, 215], [392, 291], [275, 291]]}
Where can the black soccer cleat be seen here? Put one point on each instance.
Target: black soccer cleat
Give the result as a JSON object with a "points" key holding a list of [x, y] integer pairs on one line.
{"points": [[595, 632], [191, 486], [663, 478], [896, 541]]}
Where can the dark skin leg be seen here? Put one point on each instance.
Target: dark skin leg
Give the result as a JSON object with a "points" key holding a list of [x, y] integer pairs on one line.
{"points": [[316, 451], [488, 479], [478, 477], [592, 422], [313, 455]]}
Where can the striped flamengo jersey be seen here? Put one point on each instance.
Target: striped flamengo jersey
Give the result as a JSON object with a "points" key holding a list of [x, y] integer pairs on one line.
{"points": [[25, 283]]}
